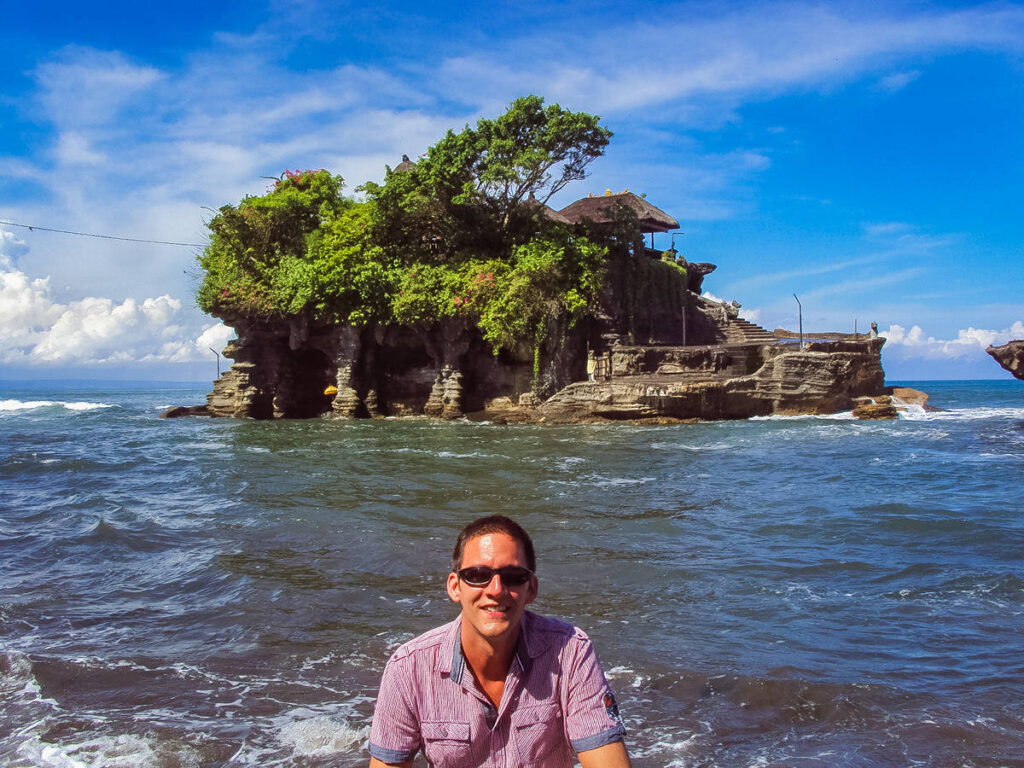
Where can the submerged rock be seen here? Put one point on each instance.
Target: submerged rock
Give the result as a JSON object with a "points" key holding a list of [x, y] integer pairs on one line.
{"points": [[185, 410]]}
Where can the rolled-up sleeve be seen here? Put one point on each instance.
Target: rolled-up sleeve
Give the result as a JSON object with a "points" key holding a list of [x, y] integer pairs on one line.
{"points": [[591, 714], [395, 733]]}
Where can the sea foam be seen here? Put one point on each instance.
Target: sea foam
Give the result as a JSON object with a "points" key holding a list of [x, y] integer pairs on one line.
{"points": [[14, 406]]}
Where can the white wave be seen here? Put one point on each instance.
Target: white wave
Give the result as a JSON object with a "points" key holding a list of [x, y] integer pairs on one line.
{"points": [[321, 735], [120, 751], [912, 412], [917, 413], [693, 448], [450, 454], [13, 406], [599, 481], [621, 673], [210, 445], [841, 416]]}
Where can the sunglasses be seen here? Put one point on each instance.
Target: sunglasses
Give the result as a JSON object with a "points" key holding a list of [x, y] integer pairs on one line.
{"points": [[481, 575]]}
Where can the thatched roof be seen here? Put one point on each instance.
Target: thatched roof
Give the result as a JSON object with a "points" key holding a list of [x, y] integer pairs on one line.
{"points": [[405, 165], [545, 210], [600, 210]]}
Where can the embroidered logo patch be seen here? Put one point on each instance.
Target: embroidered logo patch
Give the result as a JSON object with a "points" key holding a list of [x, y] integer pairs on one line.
{"points": [[610, 706]]}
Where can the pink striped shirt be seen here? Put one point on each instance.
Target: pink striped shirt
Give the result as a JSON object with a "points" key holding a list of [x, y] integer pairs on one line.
{"points": [[556, 702]]}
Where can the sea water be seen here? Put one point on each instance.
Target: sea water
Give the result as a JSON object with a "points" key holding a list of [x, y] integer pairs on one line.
{"points": [[811, 591]]}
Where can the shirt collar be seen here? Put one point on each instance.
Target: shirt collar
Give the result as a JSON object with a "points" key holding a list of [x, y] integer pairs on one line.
{"points": [[451, 660]]}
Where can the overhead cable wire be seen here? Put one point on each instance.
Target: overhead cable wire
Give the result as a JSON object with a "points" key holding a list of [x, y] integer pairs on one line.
{"points": [[32, 228]]}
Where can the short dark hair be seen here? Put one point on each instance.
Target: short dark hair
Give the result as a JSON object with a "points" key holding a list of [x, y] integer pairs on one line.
{"points": [[494, 524]]}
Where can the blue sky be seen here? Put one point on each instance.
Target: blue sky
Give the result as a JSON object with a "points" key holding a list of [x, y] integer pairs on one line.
{"points": [[865, 156]]}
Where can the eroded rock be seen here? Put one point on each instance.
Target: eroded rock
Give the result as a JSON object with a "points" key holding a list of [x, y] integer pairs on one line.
{"points": [[875, 411], [1010, 356]]}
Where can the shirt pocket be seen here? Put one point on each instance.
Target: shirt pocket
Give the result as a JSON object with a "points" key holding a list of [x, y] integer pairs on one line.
{"points": [[445, 742], [539, 736]]}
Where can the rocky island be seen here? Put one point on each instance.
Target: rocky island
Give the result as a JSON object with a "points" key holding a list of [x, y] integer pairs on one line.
{"points": [[452, 290]]}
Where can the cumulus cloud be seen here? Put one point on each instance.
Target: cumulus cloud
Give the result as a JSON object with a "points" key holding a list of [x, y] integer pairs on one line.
{"points": [[214, 337], [914, 343], [36, 329], [711, 297]]}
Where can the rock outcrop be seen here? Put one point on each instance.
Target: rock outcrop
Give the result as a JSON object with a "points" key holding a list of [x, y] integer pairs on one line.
{"points": [[1010, 356], [449, 371], [701, 360], [728, 382], [875, 409]]}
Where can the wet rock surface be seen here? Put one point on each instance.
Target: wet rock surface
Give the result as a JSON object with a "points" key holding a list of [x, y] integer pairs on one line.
{"points": [[875, 409]]}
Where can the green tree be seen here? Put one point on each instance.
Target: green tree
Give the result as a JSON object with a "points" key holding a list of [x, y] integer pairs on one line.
{"points": [[461, 235], [258, 261], [478, 192]]}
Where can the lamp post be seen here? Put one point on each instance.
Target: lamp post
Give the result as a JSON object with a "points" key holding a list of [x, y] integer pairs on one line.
{"points": [[800, 314], [218, 359]]}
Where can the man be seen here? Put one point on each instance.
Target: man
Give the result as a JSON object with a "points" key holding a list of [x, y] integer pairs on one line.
{"points": [[499, 686]]}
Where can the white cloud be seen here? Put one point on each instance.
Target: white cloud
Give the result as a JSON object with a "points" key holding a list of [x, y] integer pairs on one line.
{"points": [[74, 149], [759, 51], [711, 297], [215, 337], [903, 238], [898, 81], [35, 329], [970, 341], [85, 87], [26, 311], [11, 247]]}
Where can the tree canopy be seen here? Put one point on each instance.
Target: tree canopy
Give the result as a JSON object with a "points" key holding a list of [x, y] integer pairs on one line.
{"points": [[463, 233]]}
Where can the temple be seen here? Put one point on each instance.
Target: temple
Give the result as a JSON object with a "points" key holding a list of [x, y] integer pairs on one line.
{"points": [[659, 350]]}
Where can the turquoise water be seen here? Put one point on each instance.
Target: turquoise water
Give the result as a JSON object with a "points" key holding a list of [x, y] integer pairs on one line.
{"points": [[784, 591]]}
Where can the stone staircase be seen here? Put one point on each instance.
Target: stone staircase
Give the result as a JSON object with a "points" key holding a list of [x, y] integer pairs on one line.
{"points": [[729, 327], [740, 331]]}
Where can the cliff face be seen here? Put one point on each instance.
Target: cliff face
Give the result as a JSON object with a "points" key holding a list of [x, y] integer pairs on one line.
{"points": [[1010, 356], [444, 372]]}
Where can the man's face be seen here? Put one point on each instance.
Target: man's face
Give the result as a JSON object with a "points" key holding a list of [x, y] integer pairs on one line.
{"points": [[492, 611]]}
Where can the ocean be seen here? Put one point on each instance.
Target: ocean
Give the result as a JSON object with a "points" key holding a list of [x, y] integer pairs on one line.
{"points": [[804, 591]]}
